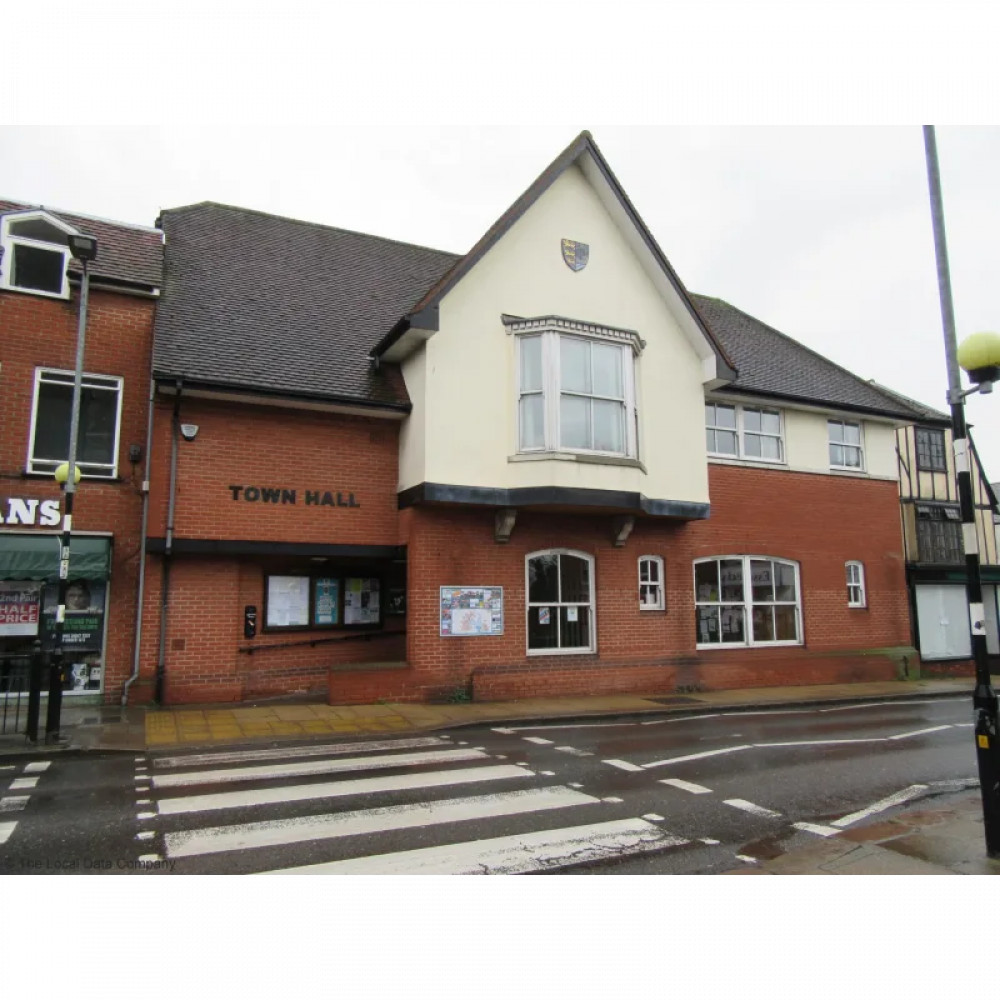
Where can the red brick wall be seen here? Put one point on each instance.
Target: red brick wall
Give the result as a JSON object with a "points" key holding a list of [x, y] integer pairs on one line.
{"points": [[818, 521], [240, 445], [41, 332]]}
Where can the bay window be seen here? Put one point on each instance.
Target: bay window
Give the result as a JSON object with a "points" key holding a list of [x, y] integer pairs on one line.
{"points": [[747, 601], [576, 393]]}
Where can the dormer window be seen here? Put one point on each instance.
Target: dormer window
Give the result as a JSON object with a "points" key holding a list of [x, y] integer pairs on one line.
{"points": [[35, 254]]}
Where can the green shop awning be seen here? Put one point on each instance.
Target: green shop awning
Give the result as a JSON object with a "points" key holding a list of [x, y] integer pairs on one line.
{"points": [[36, 557]]}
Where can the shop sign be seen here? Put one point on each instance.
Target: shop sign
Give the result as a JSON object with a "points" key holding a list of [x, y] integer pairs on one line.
{"points": [[280, 495], [29, 511], [19, 607]]}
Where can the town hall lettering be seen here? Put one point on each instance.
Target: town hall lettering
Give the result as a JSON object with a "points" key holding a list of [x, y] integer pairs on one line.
{"points": [[311, 498]]}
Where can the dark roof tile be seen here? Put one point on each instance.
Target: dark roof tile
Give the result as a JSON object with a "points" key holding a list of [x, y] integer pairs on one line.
{"points": [[773, 364], [284, 306]]}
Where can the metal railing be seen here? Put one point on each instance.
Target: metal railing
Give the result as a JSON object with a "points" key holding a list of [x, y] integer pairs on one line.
{"points": [[20, 692]]}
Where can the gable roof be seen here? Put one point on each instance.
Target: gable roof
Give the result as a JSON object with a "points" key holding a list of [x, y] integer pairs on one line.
{"points": [[126, 254], [583, 151], [772, 364], [277, 305]]}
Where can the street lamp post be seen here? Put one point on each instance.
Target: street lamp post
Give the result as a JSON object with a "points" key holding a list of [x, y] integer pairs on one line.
{"points": [[84, 249], [980, 356]]}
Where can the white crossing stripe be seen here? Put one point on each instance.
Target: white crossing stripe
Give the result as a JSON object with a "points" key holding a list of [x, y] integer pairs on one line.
{"points": [[273, 833], [19, 783], [335, 789], [919, 732], [696, 756], [752, 807], [145, 835], [686, 786], [326, 749], [13, 803], [302, 768], [818, 829], [36, 766], [541, 741], [897, 798], [541, 850], [622, 765], [575, 752], [6, 829]]}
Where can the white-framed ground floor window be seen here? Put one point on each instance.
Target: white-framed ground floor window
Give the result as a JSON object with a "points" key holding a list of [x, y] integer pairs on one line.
{"points": [[747, 601], [560, 606]]}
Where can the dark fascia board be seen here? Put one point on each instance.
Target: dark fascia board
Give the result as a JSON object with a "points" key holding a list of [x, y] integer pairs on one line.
{"points": [[244, 547], [168, 382], [535, 496], [583, 143], [910, 418], [75, 277]]}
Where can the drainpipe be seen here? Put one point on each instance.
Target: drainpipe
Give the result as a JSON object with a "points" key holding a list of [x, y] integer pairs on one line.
{"points": [[142, 546], [161, 660]]}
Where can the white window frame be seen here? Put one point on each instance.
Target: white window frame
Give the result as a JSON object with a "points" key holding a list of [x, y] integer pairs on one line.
{"points": [[740, 431], [551, 393], [653, 585], [9, 241], [111, 383], [856, 594], [748, 603], [860, 446], [592, 605]]}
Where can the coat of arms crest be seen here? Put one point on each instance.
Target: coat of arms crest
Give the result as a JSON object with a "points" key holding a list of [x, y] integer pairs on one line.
{"points": [[575, 254]]}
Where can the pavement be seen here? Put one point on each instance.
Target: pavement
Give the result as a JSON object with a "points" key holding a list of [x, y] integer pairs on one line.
{"points": [[942, 837]]}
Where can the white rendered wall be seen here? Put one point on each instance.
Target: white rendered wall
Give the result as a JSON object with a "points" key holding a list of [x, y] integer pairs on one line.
{"points": [[470, 376]]}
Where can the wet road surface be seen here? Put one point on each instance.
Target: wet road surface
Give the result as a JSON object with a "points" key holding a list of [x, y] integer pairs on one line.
{"points": [[671, 794]]}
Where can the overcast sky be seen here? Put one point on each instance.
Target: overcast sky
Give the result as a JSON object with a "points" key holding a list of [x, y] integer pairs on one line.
{"points": [[423, 122]]}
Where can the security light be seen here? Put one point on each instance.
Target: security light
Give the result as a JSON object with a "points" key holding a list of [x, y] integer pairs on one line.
{"points": [[189, 431], [82, 247]]}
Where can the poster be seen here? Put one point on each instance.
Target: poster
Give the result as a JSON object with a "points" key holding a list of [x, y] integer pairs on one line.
{"points": [[19, 607], [471, 611], [326, 609], [361, 601], [287, 601], [83, 628]]}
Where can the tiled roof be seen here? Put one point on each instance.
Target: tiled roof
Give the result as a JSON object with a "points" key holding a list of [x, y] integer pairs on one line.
{"points": [[282, 306], [772, 364], [131, 254]]}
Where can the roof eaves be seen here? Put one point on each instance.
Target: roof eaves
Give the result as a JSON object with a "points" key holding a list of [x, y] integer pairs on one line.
{"points": [[165, 377], [827, 404]]}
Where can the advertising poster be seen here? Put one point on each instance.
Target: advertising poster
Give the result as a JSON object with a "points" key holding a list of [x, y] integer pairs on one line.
{"points": [[361, 601], [287, 600], [84, 624], [327, 607], [19, 607], [471, 611]]}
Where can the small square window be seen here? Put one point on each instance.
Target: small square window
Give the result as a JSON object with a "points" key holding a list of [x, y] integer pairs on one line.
{"points": [[651, 594], [846, 450], [99, 426], [930, 450]]}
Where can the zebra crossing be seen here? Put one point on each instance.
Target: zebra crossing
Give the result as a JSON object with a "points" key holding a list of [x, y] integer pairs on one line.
{"points": [[17, 778], [418, 805]]}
